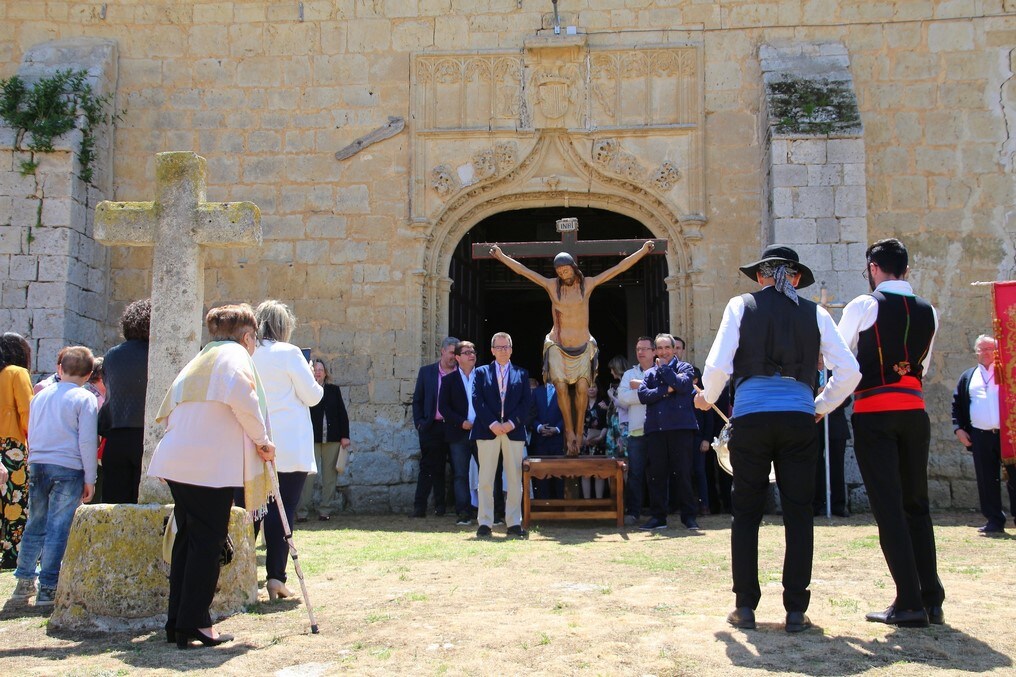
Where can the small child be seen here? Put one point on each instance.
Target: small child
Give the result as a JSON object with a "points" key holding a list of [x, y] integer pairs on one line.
{"points": [[62, 420]]}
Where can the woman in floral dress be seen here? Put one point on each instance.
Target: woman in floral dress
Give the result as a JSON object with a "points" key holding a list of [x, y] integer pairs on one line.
{"points": [[15, 394]]}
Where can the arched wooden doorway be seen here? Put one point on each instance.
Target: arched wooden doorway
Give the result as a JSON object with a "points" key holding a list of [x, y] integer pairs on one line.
{"points": [[486, 297]]}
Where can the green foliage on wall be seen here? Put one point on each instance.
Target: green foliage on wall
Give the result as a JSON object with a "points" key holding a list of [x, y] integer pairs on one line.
{"points": [[51, 107], [800, 106]]}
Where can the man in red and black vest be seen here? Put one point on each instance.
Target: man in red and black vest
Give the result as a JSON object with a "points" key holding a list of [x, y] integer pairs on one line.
{"points": [[891, 331]]}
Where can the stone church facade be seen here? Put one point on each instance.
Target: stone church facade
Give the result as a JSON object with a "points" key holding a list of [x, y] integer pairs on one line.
{"points": [[377, 136]]}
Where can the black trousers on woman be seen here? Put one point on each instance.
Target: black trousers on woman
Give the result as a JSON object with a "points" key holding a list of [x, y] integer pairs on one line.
{"points": [[121, 465], [276, 549], [202, 522]]}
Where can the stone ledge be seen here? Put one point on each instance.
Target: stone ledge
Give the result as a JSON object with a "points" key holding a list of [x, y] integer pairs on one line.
{"points": [[113, 577]]}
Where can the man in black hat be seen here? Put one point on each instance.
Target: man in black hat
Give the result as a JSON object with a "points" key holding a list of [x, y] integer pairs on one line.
{"points": [[569, 351], [769, 342]]}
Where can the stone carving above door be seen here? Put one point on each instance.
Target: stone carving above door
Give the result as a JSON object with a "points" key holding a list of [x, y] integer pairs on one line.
{"points": [[638, 112]]}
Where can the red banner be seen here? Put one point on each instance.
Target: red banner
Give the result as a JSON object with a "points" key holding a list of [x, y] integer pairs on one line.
{"points": [[1003, 301]]}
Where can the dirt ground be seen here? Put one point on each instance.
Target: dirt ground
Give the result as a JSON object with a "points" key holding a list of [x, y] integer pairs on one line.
{"points": [[423, 597]]}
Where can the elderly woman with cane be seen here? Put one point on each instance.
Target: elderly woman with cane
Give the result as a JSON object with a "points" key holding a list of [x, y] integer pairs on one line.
{"points": [[292, 390], [217, 438]]}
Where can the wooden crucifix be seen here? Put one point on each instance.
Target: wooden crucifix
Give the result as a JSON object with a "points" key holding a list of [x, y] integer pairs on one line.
{"points": [[179, 224], [570, 354]]}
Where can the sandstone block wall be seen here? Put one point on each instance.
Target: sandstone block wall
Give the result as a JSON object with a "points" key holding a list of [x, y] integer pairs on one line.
{"points": [[268, 98]]}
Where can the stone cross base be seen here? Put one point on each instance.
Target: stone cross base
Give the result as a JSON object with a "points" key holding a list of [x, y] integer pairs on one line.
{"points": [[113, 577]]}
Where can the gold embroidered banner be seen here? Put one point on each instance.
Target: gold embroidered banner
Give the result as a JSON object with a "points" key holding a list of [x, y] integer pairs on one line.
{"points": [[1003, 302]]}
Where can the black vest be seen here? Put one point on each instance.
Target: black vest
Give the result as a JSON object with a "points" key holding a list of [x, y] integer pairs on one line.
{"points": [[896, 345], [777, 337]]}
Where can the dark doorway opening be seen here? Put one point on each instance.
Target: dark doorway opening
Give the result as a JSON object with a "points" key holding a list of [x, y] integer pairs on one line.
{"points": [[486, 297]]}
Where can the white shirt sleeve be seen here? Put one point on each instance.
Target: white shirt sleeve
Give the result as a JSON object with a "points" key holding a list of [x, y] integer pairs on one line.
{"points": [[838, 358], [858, 315], [720, 361], [625, 394], [302, 376]]}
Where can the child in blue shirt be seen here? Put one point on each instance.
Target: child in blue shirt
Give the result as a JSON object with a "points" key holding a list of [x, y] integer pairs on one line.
{"points": [[62, 441]]}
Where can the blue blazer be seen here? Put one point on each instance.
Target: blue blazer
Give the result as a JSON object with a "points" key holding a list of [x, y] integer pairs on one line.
{"points": [[487, 402], [667, 410], [453, 403], [425, 396], [546, 412]]}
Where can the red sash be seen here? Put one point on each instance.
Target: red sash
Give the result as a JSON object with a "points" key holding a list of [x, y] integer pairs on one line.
{"points": [[1003, 304]]}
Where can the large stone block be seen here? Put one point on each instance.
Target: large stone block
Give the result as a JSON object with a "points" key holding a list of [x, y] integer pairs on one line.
{"points": [[375, 468], [813, 202], [113, 577]]}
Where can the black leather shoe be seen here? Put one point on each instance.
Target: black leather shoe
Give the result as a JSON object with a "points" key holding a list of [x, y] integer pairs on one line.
{"points": [[797, 621], [935, 615], [841, 512], [483, 531], [185, 637], [908, 618], [417, 514], [991, 528], [517, 532], [742, 617]]}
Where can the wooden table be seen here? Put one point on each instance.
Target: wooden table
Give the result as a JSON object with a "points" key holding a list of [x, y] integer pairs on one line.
{"points": [[538, 468]]}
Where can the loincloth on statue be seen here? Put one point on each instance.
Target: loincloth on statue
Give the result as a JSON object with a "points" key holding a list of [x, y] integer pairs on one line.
{"points": [[570, 365]]}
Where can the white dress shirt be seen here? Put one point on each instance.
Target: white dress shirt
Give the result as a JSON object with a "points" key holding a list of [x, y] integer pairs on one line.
{"points": [[720, 361], [467, 383], [983, 391]]}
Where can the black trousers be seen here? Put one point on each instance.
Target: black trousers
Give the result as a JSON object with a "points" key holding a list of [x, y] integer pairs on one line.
{"points": [[670, 451], [987, 451], [433, 458], [202, 521], [276, 548], [892, 454], [837, 484], [121, 465], [756, 441]]}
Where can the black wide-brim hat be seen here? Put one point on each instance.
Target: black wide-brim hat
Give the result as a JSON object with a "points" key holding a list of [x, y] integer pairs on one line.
{"points": [[778, 253]]}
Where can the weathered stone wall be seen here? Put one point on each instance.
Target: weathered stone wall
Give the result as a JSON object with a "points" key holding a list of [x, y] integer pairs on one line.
{"points": [[53, 276], [268, 98]]}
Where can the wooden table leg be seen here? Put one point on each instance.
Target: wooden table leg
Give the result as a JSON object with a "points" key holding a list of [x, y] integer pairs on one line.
{"points": [[619, 493]]}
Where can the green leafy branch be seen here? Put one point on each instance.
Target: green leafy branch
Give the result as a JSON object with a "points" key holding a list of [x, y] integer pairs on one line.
{"points": [[51, 107]]}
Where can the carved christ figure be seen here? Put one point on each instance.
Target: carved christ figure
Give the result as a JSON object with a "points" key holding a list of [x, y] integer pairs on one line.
{"points": [[569, 351]]}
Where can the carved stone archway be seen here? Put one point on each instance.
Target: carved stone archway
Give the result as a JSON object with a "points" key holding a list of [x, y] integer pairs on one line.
{"points": [[555, 172]]}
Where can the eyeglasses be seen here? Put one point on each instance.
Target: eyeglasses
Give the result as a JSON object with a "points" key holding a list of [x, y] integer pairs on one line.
{"points": [[866, 273], [499, 348], [468, 352]]}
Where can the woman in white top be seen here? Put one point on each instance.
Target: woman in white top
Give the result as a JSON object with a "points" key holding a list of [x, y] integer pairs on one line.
{"points": [[292, 391]]}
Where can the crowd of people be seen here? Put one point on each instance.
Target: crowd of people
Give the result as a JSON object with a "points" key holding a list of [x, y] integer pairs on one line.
{"points": [[777, 366]]}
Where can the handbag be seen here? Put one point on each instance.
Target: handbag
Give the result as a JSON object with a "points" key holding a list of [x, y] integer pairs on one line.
{"points": [[342, 460], [169, 538]]}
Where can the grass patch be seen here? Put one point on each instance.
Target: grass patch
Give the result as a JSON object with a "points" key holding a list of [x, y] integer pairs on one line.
{"points": [[648, 561]]}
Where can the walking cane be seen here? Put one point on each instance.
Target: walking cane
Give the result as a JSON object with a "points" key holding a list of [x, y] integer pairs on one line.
{"points": [[292, 547]]}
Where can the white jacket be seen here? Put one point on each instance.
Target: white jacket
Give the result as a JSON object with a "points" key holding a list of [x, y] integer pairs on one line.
{"points": [[630, 398], [292, 391]]}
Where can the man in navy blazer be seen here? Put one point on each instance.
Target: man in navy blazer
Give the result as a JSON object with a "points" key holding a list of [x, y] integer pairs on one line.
{"points": [[547, 437], [430, 425], [667, 391], [501, 400]]}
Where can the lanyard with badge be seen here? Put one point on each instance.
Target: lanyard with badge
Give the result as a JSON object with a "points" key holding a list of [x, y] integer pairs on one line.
{"points": [[502, 385]]}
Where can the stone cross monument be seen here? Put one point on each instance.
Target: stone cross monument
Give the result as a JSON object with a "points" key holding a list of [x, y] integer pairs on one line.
{"points": [[179, 224]]}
